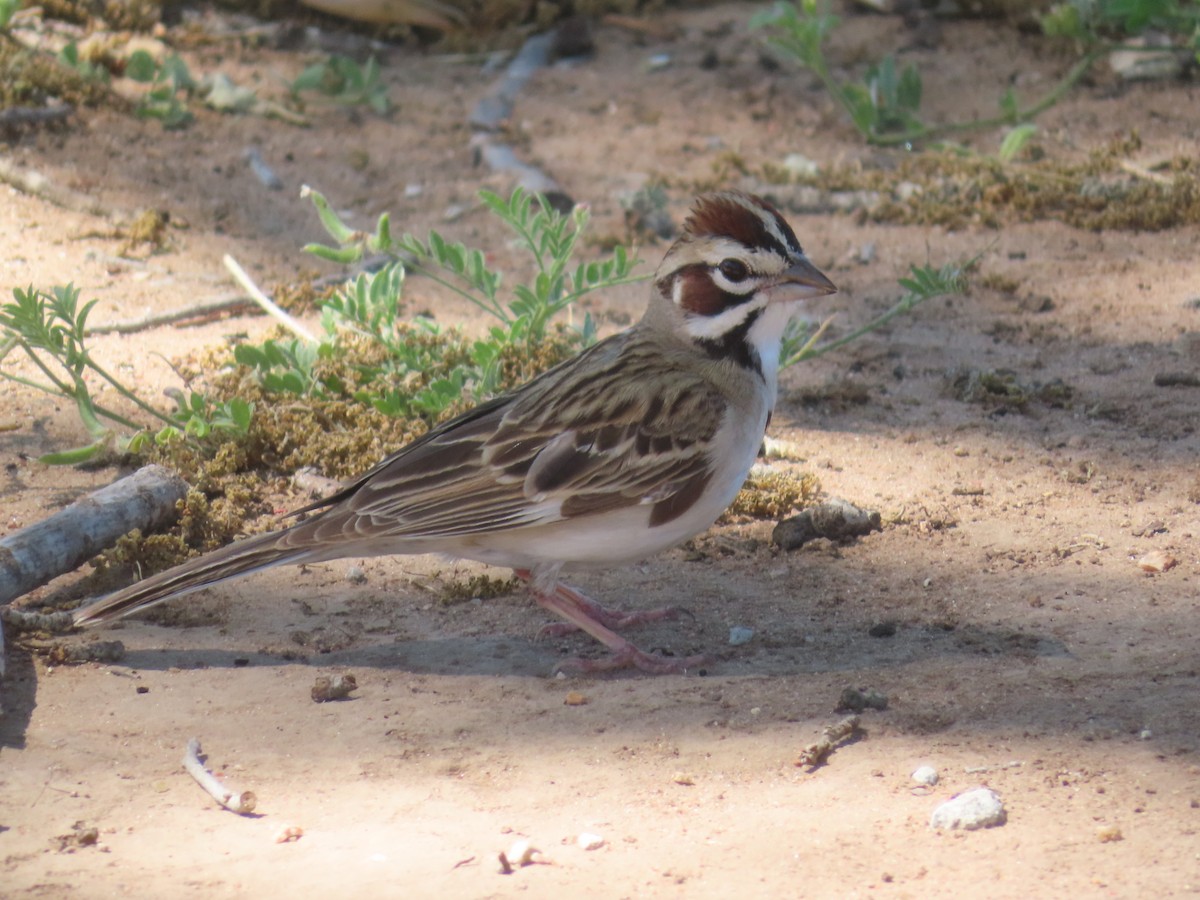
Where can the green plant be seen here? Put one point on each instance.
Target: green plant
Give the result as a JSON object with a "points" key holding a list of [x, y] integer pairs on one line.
{"points": [[171, 84], [802, 340], [8, 9], [69, 56], [885, 106], [522, 315], [408, 367], [50, 327], [1093, 22], [345, 81]]}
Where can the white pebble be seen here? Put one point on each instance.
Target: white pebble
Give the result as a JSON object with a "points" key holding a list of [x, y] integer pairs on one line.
{"points": [[355, 574], [926, 775], [739, 634], [412, 189], [521, 853], [801, 165], [587, 841], [977, 808]]}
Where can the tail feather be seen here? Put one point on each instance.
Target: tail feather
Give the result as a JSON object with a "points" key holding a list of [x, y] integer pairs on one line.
{"points": [[241, 558]]}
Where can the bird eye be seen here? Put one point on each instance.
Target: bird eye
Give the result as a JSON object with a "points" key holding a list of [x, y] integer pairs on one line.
{"points": [[734, 269]]}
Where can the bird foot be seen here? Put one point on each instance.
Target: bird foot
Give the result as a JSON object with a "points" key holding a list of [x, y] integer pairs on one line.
{"points": [[631, 658], [582, 614], [616, 619]]}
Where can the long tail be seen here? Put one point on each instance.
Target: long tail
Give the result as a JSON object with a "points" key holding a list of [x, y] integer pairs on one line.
{"points": [[241, 558]]}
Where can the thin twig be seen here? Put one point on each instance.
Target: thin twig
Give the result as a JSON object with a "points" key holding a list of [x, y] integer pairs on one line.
{"points": [[206, 310], [816, 753], [242, 803], [272, 309], [30, 115]]}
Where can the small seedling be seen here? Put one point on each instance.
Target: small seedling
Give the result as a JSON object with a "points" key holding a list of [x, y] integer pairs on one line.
{"points": [[171, 84], [802, 340], [51, 328], [344, 81]]}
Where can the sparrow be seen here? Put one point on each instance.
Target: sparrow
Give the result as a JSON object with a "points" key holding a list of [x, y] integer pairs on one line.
{"points": [[631, 447]]}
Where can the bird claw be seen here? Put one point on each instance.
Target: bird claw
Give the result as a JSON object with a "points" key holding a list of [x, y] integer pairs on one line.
{"points": [[616, 619], [631, 658]]}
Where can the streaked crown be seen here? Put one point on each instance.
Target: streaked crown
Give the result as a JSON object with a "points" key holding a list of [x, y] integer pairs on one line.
{"points": [[736, 257]]}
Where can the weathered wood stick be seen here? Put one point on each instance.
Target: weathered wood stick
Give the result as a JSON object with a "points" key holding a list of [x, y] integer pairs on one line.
{"points": [[70, 537], [242, 803]]}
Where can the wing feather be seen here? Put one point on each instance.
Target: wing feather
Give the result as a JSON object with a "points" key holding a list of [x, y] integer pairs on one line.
{"points": [[586, 438]]}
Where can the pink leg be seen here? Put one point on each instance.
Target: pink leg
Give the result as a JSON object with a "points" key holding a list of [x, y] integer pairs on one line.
{"points": [[625, 654], [614, 619]]}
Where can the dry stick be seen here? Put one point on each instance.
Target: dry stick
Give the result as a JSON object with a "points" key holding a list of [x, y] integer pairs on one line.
{"points": [[495, 108], [272, 309], [242, 803], [210, 308], [204, 310], [816, 753], [34, 555], [30, 115]]}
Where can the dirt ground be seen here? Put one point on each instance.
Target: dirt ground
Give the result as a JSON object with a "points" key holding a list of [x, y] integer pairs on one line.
{"points": [[1019, 643]]}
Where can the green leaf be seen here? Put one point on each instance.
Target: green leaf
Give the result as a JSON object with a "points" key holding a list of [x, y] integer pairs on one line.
{"points": [[141, 66], [908, 93], [1015, 140], [77, 455], [330, 220], [1009, 105], [342, 255]]}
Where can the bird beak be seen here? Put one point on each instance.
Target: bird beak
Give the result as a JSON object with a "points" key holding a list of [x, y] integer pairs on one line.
{"points": [[800, 281]]}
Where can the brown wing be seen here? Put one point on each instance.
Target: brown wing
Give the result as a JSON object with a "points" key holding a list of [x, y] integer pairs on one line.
{"points": [[598, 433]]}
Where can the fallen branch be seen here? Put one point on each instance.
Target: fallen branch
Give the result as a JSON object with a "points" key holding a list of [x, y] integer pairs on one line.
{"points": [[228, 304], [817, 752], [495, 108], [242, 803], [204, 311], [34, 115], [34, 555]]}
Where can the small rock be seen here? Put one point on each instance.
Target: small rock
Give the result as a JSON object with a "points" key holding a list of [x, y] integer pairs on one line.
{"points": [[866, 253], [1106, 834], [858, 699], [1145, 58], [926, 775], [587, 841], [522, 852], [977, 808], [1157, 561], [574, 698], [739, 635], [332, 687], [882, 630], [684, 779], [356, 575], [658, 62], [799, 165], [288, 834], [834, 519], [412, 189]]}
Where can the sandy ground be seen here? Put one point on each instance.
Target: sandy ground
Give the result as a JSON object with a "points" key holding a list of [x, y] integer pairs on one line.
{"points": [[1030, 653]]}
